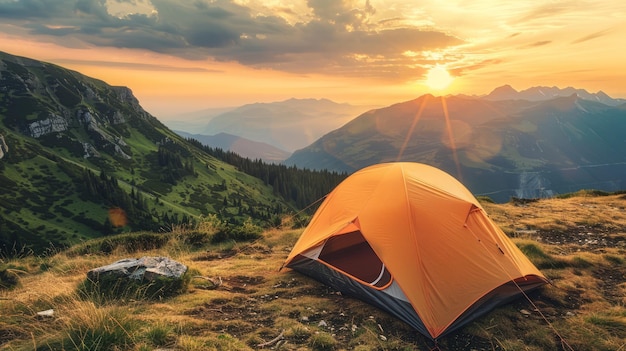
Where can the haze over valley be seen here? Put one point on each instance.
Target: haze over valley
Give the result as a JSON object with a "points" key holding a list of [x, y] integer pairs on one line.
{"points": [[537, 142]]}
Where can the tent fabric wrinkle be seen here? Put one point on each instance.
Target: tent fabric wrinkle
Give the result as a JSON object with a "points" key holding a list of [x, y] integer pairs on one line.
{"points": [[412, 240]]}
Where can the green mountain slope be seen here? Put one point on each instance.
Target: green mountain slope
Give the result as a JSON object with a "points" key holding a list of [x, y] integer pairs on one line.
{"points": [[81, 159], [498, 148]]}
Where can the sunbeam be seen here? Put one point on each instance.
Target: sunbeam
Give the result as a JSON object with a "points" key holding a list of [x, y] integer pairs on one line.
{"points": [[410, 132], [451, 138]]}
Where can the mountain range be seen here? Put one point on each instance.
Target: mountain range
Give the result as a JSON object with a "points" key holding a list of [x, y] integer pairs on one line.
{"points": [[245, 147], [192, 122], [287, 125], [81, 159], [543, 93], [534, 143]]}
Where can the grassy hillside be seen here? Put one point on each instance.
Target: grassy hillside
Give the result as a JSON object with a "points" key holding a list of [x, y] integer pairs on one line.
{"points": [[74, 148], [237, 299]]}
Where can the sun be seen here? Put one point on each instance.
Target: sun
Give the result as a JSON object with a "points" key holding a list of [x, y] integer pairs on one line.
{"points": [[438, 78]]}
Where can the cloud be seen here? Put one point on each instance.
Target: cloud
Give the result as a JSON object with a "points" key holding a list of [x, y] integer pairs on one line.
{"points": [[546, 10], [592, 36], [475, 66], [30, 9], [537, 44], [135, 66], [338, 37]]}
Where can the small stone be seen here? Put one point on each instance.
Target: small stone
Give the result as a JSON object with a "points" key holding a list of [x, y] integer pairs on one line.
{"points": [[46, 313], [322, 324], [525, 312]]}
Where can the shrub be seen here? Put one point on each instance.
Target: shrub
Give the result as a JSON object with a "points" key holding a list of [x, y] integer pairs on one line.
{"points": [[248, 231], [8, 278], [133, 242]]}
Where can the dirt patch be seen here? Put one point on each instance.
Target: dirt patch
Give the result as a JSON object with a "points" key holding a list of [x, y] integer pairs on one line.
{"points": [[592, 239], [242, 283], [239, 315], [471, 342], [8, 333], [215, 255], [248, 249], [609, 280]]}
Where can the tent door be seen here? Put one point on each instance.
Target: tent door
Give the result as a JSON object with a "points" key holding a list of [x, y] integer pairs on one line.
{"points": [[353, 255]]}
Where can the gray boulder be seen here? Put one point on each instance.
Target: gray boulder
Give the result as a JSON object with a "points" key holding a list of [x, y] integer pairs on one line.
{"points": [[144, 268], [138, 277]]}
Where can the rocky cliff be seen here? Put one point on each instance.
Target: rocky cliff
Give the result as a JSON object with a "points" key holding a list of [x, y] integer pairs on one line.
{"points": [[43, 99], [3, 146]]}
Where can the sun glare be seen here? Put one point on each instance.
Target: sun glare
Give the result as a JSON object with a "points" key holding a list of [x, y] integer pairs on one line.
{"points": [[438, 78]]}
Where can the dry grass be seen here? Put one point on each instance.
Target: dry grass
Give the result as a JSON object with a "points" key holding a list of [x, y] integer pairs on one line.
{"points": [[579, 243]]}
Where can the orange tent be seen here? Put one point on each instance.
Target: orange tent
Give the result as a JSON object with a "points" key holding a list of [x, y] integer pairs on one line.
{"points": [[412, 240]]}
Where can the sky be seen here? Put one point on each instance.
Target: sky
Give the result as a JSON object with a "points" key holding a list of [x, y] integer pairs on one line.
{"points": [[180, 56]]}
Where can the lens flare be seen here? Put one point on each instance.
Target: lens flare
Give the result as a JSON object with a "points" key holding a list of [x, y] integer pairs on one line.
{"points": [[117, 217]]}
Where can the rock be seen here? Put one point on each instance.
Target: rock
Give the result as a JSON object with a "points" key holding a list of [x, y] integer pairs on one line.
{"points": [[525, 312], [117, 118], [46, 313], [3, 146], [147, 268], [152, 276], [90, 150], [51, 124]]}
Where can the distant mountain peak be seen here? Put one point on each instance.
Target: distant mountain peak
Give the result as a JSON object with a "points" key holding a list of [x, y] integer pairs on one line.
{"points": [[502, 93], [504, 88], [543, 93]]}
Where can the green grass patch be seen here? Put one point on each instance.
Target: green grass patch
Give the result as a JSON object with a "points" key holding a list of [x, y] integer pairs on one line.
{"points": [[322, 341], [614, 324], [160, 334], [539, 257], [613, 259], [97, 329]]}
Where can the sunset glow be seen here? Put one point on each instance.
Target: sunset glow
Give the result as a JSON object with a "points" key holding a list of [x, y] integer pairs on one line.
{"points": [[187, 55], [438, 78]]}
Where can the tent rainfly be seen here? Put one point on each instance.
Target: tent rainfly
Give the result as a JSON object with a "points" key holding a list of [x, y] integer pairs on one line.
{"points": [[413, 241]]}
